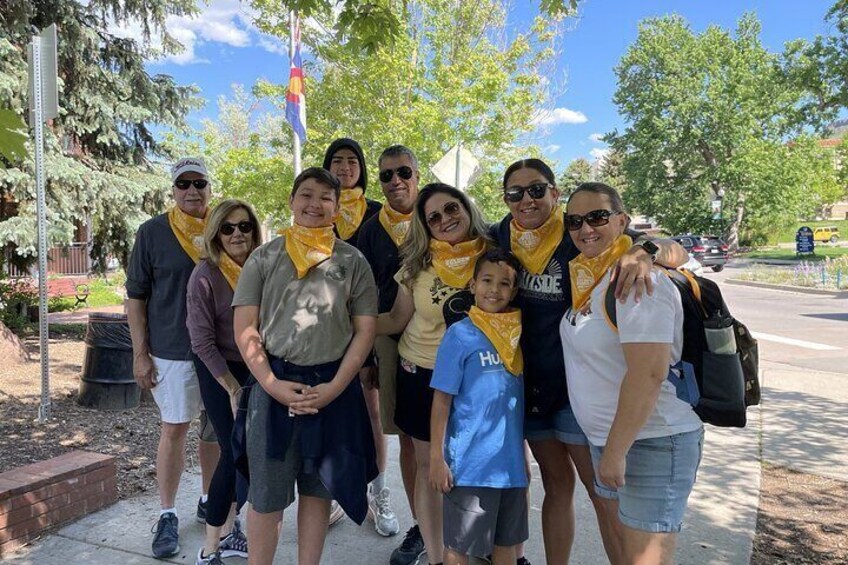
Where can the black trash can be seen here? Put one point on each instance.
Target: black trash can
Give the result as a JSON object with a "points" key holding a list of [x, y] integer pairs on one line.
{"points": [[107, 381]]}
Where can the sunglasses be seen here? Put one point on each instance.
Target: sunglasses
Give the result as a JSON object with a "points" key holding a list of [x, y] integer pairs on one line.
{"points": [[229, 229], [516, 193], [183, 184], [451, 209], [403, 172], [595, 218]]}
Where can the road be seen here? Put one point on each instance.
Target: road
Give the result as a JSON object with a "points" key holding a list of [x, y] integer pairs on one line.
{"points": [[806, 331]]}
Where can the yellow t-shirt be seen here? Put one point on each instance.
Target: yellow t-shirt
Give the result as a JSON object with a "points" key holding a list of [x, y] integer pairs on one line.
{"points": [[437, 305]]}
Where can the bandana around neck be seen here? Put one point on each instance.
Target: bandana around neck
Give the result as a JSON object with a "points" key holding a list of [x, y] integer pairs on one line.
{"points": [[455, 263], [534, 248], [395, 223], [230, 269], [307, 247], [587, 273], [504, 331], [352, 205], [188, 231]]}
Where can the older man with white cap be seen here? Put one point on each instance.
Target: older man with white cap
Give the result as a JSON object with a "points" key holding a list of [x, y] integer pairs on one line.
{"points": [[166, 249]]}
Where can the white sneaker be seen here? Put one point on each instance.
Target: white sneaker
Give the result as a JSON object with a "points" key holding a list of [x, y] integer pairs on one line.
{"points": [[336, 513], [380, 511]]}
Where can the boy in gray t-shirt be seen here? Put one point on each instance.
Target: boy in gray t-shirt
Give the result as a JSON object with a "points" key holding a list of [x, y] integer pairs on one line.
{"points": [[305, 319]]}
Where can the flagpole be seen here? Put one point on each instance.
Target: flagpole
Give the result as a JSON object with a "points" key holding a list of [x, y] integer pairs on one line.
{"points": [[295, 137]]}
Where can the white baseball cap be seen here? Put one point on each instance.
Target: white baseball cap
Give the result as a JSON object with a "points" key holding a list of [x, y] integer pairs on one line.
{"points": [[188, 165]]}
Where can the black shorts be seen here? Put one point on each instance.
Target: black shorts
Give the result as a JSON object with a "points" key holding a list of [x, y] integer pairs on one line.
{"points": [[414, 400]]}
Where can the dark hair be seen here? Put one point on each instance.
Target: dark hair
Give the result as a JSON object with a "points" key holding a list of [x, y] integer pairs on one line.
{"points": [[347, 143], [397, 151], [499, 255], [600, 188], [321, 175], [536, 164]]}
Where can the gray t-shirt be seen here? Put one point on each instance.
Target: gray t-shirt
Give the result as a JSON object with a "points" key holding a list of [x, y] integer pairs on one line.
{"points": [[307, 321], [158, 272]]}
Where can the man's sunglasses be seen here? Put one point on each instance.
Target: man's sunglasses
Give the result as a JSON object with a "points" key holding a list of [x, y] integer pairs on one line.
{"points": [[183, 184], [451, 209], [403, 172], [516, 193], [595, 218], [229, 229]]}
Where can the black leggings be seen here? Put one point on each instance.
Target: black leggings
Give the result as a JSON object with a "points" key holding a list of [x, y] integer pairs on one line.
{"points": [[227, 484]]}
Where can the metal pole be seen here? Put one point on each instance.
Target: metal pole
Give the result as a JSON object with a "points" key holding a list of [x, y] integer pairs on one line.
{"points": [[44, 409], [457, 174], [295, 138]]}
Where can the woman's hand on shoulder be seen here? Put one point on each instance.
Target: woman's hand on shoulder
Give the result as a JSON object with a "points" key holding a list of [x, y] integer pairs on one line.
{"points": [[632, 273]]}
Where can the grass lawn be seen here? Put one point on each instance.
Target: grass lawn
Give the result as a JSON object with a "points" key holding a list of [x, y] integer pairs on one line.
{"points": [[788, 235], [789, 254], [102, 292]]}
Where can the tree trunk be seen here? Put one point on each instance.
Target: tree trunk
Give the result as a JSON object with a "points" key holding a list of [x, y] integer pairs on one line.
{"points": [[733, 229]]}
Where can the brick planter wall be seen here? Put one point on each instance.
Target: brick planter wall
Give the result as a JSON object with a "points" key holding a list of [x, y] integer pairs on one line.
{"points": [[50, 493]]}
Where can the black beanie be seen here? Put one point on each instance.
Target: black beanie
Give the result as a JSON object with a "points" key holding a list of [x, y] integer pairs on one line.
{"points": [[347, 143]]}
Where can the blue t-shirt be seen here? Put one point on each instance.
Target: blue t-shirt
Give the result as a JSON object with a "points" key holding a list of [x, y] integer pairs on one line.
{"points": [[484, 443]]}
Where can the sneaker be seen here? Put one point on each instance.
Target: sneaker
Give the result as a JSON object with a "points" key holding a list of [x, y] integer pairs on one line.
{"points": [[214, 559], [336, 513], [234, 544], [380, 511], [166, 536], [201, 510], [411, 548], [522, 561]]}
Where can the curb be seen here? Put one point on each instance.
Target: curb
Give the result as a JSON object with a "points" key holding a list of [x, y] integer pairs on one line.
{"points": [[789, 288]]}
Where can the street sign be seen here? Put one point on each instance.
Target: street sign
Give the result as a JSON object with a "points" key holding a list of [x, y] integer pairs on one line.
{"points": [[804, 241], [43, 46], [715, 208], [458, 167]]}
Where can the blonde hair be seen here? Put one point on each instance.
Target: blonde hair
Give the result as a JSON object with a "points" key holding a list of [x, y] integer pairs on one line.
{"points": [[212, 243], [415, 250]]}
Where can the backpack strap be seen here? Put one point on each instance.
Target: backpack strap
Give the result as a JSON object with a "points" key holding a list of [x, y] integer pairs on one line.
{"points": [[687, 278], [609, 308]]}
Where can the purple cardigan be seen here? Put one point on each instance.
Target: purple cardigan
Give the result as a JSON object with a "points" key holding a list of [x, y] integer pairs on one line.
{"points": [[210, 318]]}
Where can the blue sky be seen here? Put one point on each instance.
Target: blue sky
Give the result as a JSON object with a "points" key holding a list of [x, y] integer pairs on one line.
{"points": [[224, 48]]}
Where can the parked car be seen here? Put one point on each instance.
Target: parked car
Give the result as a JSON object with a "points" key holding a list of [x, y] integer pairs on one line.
{"points": [[709, 250], [826, 233]]}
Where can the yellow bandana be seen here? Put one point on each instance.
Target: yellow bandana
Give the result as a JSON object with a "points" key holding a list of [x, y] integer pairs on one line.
{"points": [[352, 206], [230, 269], [455, 263], [534, 248], [307, 247], [587, 273], [395, 223], [504, 331], [189, 231]]}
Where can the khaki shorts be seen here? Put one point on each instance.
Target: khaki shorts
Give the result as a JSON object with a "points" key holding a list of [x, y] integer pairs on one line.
{"points": [[386, 349], [177, 392]]}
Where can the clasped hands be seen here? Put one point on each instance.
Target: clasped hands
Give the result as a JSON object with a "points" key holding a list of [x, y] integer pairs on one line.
{"points": [[303, 399]]}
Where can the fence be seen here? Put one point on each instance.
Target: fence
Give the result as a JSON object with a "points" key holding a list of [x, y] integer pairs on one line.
{"points": [[73, 259]]}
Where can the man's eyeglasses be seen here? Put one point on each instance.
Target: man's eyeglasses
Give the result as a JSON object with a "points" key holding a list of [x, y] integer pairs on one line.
{"points": [[595, 218], [451, 209], [516, 193], [183, 184], [405, 173], [229, 229]]}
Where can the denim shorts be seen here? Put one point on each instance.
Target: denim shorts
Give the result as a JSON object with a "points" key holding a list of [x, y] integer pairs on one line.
{"points": [[561, 425], [659, 476]]}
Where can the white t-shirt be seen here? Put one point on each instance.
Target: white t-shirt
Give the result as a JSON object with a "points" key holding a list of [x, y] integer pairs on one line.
{"points": [[595, 365]]}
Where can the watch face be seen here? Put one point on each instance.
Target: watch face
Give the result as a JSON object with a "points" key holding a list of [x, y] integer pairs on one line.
{"points": [[650, 247]]}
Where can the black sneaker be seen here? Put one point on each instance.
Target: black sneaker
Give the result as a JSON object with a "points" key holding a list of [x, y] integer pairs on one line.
{"points": [[214, 559], [201, 510], [522, 561], [410, 549], [166, 536]]}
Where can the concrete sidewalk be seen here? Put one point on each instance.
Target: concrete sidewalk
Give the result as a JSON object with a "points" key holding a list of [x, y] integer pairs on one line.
{"points": [[719, 526]]}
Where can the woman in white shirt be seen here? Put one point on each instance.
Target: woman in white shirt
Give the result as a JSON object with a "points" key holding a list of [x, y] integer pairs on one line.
{"points": [[645, 442]]}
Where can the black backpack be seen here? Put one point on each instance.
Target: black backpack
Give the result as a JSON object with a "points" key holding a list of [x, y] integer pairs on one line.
{"points": [[727, 383]]}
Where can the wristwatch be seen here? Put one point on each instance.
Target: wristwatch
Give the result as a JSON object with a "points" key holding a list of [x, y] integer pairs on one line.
{"points": [[650, 248]]}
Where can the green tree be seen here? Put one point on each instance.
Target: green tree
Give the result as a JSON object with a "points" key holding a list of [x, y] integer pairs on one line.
{"points": [[100, 152], [247, 151], [454, 73], [611, 171], [708, 116], [364, 24], [578, 171]]}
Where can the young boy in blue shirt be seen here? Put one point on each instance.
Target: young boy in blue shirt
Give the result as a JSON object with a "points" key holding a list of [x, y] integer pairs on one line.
{"points": [[477, 421]]}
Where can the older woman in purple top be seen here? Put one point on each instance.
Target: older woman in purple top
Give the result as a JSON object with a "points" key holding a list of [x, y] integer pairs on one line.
{"points": [[231, 235]]}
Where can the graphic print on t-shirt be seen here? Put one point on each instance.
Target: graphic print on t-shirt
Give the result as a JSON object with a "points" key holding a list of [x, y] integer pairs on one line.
{"points": [[457, 303], [544, 286]]}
